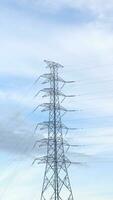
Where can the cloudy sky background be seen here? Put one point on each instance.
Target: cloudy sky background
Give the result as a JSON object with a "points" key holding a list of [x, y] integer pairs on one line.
{"points": [[79, 35]]}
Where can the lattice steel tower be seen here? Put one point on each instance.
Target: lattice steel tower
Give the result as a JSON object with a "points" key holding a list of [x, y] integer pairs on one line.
{"points": [[56, 184]]}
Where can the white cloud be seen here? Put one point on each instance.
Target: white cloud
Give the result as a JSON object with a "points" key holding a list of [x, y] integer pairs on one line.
{"points": [[20, 179], [100, 7], [13, 96]]}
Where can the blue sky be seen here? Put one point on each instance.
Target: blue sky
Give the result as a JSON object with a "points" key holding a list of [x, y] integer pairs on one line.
{"points": [[79, 35]]}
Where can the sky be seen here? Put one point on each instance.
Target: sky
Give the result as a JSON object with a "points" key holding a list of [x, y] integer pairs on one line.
{"points": [[78, 35]]}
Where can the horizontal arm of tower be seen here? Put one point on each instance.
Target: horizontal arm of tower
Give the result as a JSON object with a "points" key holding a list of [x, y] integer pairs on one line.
{"points": [[48, 106], [50, 91], [49, 77], [50, 160], [47, 124], [45, 141]]}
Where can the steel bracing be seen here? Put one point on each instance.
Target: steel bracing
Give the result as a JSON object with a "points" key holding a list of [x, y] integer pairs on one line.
{"points": [[56, 184]]}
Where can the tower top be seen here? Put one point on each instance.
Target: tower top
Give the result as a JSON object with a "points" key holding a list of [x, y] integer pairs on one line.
{"points": [[52, 64]]}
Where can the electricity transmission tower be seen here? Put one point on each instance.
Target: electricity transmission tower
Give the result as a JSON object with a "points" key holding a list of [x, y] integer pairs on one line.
{"points": [[56, 184]]}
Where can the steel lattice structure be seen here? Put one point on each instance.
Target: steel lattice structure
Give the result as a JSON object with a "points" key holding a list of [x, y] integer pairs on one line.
{"points": [[56, 184]]}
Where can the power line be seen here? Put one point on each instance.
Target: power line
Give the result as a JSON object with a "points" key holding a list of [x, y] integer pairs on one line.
{"points": [[92, 67]]}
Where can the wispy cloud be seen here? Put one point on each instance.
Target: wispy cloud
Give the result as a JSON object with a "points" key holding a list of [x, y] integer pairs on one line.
{"points": [[99, 7]]}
